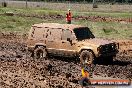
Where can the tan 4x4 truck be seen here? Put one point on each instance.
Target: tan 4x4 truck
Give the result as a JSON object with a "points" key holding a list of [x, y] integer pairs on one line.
{"points": [[68, 40]]}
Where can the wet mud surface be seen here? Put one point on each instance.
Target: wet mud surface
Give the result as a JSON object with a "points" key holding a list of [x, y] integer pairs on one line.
{"points": [[19, 70]]}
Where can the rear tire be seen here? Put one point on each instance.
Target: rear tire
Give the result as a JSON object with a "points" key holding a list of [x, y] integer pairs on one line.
{"points": [[40, 52], [86, 57]]}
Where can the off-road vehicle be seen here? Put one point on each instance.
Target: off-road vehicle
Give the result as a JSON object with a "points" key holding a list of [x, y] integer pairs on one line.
{"points": [[68, 40]]}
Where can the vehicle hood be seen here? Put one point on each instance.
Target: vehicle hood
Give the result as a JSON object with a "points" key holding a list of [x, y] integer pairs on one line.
{"points": [[96, 41]]}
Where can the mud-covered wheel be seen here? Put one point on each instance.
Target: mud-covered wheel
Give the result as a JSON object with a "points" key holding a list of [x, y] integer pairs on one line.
{"points": [[40, 52], [86, 57]]}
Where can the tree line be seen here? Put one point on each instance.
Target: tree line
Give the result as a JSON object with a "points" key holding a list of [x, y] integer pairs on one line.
{"points": [[88, 1]]}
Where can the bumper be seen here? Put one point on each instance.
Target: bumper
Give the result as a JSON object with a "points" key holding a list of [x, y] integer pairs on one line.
{"points": [[108, 54]]}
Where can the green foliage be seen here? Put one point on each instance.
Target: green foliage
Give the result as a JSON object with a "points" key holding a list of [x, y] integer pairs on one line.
{"points": [[109, 30]]}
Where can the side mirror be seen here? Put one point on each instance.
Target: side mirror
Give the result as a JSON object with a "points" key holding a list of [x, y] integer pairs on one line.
{"points": [[68, 39]]}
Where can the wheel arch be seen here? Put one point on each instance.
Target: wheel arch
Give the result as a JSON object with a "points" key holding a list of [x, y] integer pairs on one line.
{"points": [[87, 50], [40, 44]]}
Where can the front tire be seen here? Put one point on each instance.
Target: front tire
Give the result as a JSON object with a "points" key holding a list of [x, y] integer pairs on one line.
{"points": [[40, 52], [86, 57]]}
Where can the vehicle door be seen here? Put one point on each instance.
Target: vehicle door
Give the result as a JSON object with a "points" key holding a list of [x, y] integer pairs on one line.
{"points": [[68, 45], [53, 36]]}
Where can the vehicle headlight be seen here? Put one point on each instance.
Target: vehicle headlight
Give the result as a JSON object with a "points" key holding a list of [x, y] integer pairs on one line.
{"points": [[117, 45], [98, 49]]}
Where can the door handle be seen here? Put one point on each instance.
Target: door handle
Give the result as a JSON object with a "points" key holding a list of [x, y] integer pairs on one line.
{"points": [[73, 43], [63, 42]]}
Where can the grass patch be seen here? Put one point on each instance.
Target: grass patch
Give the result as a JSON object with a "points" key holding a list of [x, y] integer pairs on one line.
{"points": [[100, 29], [106, 14], [42, 11], [109, 30], [112, 30]]}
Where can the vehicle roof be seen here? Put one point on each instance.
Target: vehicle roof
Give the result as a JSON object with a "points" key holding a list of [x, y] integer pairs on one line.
{"points": [[57, 25]]}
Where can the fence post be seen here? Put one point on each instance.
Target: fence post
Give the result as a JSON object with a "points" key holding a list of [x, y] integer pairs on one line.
{"points": [[4, 3], [26, 3], [93, 3]]}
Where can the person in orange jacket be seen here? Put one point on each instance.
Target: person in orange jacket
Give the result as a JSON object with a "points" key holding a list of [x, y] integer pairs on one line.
{"points": [[85, 71], [68, 17]]}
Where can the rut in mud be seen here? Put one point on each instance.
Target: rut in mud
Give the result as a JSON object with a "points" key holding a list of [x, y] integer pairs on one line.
{"points": [[18, 69]]}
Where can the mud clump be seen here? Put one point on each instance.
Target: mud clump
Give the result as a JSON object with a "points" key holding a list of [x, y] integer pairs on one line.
{"points": [[18, 69]]}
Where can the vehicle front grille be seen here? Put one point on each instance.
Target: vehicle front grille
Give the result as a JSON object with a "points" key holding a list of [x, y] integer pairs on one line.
{"points": [[109, 48]]}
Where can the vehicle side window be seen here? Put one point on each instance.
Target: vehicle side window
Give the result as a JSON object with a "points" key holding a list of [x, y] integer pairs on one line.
{"points": [[32, 32], [66, 34], [54, 34], [73, 37], [57, 34], [48, 34], [38, 34]]}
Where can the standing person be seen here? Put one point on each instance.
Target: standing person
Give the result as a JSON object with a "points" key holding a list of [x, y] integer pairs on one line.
{"points": [[68, 17], [85, 81]]}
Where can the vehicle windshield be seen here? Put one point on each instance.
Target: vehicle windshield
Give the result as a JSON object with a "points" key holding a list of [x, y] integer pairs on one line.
{"points": [[83, 33]]}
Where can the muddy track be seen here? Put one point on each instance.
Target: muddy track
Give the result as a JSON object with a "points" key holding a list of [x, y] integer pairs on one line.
{"points": [[18, 69], [89, 18]]}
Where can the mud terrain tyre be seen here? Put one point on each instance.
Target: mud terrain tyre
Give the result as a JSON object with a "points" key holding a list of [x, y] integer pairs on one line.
{"points": [[86, 56], [40, 52]]}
